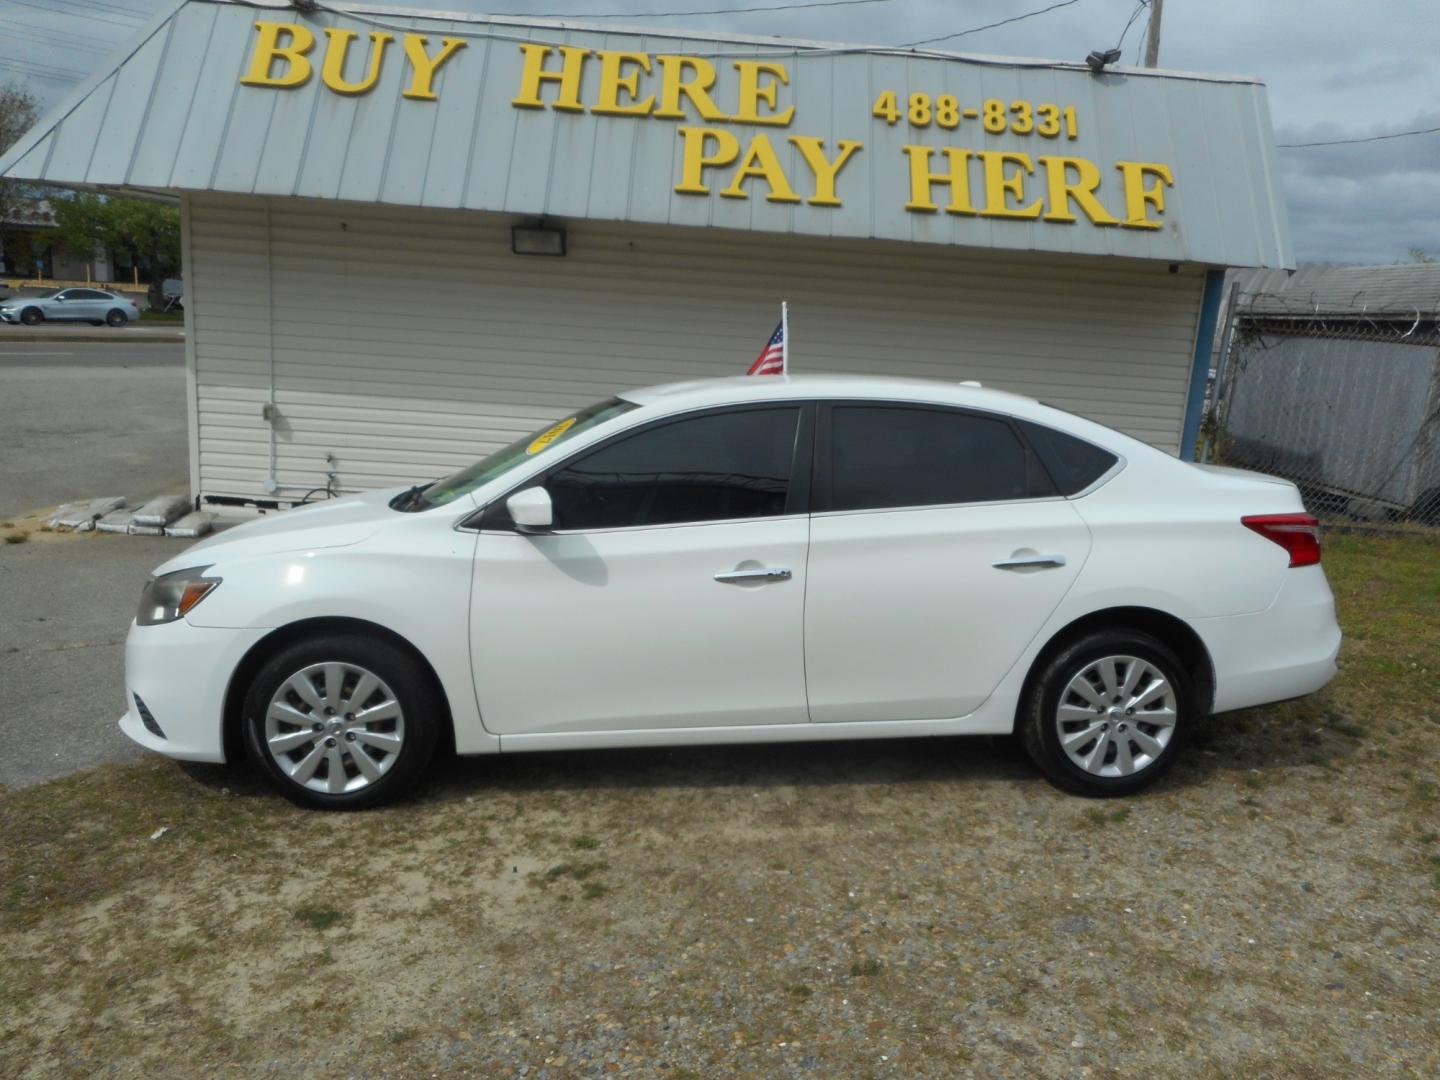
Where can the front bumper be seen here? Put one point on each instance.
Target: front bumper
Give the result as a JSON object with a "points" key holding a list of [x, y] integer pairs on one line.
{"points": [[182, 673], [1284, 652]]}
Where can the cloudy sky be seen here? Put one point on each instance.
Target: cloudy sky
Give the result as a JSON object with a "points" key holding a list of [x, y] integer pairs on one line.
{"points": [[1337, 69]]}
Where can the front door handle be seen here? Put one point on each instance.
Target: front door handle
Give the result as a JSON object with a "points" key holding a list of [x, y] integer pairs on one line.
{"points": [[1019, 562], [766, 573]]}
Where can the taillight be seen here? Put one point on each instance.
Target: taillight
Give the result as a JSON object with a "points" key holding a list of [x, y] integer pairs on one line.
{"points": [[1299, 534]]}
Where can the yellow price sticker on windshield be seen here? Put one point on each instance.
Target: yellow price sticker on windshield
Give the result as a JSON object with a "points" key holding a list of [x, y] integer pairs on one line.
{"points": [[545, 438]]}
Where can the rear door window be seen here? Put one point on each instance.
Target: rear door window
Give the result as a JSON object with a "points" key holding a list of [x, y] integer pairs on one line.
{"points": [[884, 456]]}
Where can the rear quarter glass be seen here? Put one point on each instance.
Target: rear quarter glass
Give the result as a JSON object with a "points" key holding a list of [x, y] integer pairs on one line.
{"points": [[1073, 463]]}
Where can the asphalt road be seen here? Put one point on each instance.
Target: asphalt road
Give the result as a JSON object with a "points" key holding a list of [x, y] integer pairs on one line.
{"points": [[81, 420], [78, 420], [65, 605]]}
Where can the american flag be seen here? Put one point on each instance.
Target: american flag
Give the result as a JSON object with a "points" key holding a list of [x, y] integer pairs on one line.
{"points": [[771, 360]]}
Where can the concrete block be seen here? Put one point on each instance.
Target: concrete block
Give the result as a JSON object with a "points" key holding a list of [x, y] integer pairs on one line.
{"points": [[191, 525], [162, 510], [81, 516], [117, 521]]}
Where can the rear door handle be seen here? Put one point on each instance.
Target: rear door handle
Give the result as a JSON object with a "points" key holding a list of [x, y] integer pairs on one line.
{"points": [[767, 573], [1018, 562]]}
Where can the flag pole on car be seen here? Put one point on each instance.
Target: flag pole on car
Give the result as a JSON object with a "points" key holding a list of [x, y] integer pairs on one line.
{"points": [[784, 337]]}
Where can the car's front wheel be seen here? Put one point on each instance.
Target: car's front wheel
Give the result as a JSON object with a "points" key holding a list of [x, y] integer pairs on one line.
{"points": [[31, 315], [1108, 713], [342, 722]]}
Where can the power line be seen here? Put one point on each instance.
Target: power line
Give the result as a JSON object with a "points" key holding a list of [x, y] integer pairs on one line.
{"points": [[643, 15], [108, 8], [96, 16], [44, 71], [1141, 6], [740, 48], [987, 26], [1348, 142], [50, 38]]}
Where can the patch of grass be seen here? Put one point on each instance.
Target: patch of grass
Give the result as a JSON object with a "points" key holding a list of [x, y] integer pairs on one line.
{"points": [[575, 871], [1096, 817], [800, 991], [585, 843], [865, 967], [319, 918], [15, 538], [593, 890]]}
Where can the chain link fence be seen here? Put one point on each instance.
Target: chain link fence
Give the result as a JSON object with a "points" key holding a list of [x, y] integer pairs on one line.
{"points": [[1346, 406]]}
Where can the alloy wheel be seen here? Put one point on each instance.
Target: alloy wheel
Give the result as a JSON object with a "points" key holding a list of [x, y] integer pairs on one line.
{"points": [[1116, 716], [334, 728]]}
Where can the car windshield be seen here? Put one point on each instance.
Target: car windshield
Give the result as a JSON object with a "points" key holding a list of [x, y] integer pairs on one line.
{"points": [[517, 453]]}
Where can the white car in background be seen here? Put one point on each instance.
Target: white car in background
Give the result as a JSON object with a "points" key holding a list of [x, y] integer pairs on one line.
{"points": [[740, 561], [98, 307]]}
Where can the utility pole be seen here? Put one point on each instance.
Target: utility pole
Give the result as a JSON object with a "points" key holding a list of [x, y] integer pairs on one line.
{"points": [[1152, 34]]}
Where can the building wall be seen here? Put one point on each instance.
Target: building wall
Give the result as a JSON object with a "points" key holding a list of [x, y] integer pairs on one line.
{"points": [[409, 342]]}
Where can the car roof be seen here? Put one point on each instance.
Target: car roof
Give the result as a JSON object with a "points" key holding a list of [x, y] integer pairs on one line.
{"points": [[738, 389]]}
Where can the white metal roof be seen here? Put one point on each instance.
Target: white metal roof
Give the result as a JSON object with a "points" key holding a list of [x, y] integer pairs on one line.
{"points": [[169, 113]]}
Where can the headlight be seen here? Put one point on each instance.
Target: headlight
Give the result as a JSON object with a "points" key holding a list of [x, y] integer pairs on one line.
{"points": [[168, 597]]}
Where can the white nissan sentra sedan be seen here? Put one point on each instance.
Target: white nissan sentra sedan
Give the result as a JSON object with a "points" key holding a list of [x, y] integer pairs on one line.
{"points": [[740, 561]]}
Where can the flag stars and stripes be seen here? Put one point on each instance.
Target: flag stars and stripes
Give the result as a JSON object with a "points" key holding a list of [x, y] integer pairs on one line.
{"points": [[771, 360]]}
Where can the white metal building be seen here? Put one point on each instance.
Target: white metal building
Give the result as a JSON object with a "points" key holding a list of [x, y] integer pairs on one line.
{"points": [[349, 183]]}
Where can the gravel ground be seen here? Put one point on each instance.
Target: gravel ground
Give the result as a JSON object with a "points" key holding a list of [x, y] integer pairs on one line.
{"points": [[906, 909]]}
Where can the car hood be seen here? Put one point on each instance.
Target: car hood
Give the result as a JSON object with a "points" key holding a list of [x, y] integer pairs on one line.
{"points": [[327, 524]]}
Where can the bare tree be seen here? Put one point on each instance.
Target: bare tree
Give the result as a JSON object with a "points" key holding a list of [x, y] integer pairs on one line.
{"points": [[19, 110]]}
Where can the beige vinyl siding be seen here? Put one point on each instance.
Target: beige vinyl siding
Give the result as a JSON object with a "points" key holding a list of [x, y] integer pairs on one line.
{"points": [[409, 342]]}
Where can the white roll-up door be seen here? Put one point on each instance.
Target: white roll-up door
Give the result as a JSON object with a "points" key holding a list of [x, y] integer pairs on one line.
{"points": [[407, 343]]}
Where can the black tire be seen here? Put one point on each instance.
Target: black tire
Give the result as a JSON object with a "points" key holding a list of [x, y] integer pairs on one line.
{"points": [[1038, 726], [421, 706], [116, 317], [32, 315]]}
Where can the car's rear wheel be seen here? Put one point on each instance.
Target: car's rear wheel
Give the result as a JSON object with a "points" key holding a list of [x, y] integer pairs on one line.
{"points": [[116, 317], [342, 723], [31, 315], [1108, 713]]}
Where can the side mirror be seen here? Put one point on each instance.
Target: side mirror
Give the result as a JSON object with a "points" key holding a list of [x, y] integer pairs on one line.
{"points": [[531, 510]]}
